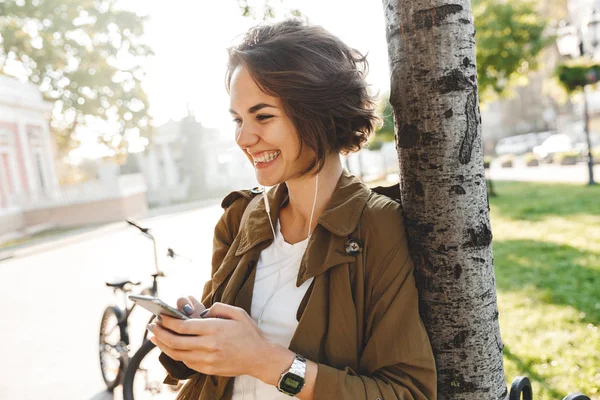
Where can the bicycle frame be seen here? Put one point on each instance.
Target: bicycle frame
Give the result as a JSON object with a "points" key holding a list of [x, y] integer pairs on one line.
{"points": [[123, 314]]}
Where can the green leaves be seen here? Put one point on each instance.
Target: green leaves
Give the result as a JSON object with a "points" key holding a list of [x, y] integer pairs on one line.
{"points": [[509, 36], [386, 132], [86, 57], [268, 10]]}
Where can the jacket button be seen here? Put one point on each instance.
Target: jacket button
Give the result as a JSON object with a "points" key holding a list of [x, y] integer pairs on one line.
{"points": [[257, 190], [354, 247]]}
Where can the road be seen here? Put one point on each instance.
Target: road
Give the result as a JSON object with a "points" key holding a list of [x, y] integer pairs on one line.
{"points": [[545, 173], [53, 296]]}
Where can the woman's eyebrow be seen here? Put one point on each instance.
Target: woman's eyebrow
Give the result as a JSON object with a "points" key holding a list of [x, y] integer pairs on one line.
{"points": [[254, 108]]}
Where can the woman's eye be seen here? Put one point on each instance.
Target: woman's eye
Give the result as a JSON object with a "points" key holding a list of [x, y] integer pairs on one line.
{"points": [[237, 121], [263, 117]]}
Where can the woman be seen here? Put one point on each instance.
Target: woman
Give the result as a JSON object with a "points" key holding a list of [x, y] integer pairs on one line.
{"points": [[312, 291]]}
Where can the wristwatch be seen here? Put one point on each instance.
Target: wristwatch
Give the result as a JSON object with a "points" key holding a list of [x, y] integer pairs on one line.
{"points": [[292, 380]]}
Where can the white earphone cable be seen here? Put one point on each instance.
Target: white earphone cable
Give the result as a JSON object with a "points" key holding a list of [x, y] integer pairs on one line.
{"points": [[313, 207], [268, 209]]}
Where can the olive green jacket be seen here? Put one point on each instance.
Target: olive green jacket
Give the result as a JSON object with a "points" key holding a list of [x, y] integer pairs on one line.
{"points": [[359, 319]]}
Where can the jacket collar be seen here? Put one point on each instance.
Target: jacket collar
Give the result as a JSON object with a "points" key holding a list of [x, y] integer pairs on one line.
{"points": [[340, 218]]}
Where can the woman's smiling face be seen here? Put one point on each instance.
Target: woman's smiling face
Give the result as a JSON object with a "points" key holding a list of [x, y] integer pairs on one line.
{"points": [[265, 133]]}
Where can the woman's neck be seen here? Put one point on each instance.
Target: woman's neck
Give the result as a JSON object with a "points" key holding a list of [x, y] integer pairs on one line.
{"points": [[296, 216]]}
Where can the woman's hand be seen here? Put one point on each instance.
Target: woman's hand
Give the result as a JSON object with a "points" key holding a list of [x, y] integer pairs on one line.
{"points": [[190, 306], [225, 342]]}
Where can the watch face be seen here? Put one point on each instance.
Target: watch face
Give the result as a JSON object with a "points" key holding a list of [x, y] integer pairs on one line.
{"points": [[291, 383]]}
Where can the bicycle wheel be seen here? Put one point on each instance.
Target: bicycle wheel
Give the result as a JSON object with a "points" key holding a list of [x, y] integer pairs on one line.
{"points": [[112, 350], [145, 375]]}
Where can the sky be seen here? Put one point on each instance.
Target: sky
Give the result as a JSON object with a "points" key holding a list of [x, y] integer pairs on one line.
{"points": [[190, 38]]}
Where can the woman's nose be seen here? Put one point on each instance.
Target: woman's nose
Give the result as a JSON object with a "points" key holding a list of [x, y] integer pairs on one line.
{"points": [[246, 136]]}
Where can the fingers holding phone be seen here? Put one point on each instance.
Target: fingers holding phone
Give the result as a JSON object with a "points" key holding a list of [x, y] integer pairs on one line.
{"points": [[190, 306]]}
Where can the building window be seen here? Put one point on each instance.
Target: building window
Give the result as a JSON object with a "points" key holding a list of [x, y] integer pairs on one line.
{"points": [[5, 164], [34, 134], [6, 139], [40, 170]]}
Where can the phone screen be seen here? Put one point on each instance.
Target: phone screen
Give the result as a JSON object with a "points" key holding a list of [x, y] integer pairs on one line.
{"points": [[157, 307]]}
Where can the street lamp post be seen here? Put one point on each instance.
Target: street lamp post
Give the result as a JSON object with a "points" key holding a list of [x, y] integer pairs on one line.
{"points": [[570, 42], [590, 157], [593, 34]]}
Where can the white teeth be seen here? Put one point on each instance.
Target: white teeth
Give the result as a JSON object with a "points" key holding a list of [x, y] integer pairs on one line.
{"points": [[267, 157]]}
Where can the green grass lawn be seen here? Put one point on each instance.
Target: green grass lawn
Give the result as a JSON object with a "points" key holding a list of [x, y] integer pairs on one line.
{"points": [[547, 262]]}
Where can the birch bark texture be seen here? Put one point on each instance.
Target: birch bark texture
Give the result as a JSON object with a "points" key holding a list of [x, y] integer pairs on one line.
{"points": [[431, 49]]}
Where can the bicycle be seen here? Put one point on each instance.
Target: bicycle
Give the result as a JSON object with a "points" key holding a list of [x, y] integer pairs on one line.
{"points": [[114, 343]]}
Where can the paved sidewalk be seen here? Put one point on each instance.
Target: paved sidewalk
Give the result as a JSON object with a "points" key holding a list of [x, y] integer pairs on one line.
{"points": [[47, 243]]}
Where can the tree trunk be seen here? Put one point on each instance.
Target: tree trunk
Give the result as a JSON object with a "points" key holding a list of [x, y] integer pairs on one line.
{"points": [[443, 190]]}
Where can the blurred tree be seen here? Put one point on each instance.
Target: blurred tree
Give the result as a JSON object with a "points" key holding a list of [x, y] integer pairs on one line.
{"points": [[509, 36], [85, 56], [386, 132]]}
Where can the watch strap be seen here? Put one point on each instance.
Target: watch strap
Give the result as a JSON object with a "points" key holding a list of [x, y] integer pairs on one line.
{"points": [[298, 369], [298, 366]]}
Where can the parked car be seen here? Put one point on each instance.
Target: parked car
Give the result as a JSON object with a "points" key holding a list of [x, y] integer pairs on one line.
{"points": [[565, 144], [558, 143], [520, 144]]}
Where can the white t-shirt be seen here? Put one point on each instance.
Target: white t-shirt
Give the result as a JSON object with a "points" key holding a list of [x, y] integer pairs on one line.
{"points": [[275, 302]]}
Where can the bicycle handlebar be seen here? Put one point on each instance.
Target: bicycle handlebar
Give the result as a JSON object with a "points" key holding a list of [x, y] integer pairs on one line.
{"points": [[146, 231], [133, 223]]}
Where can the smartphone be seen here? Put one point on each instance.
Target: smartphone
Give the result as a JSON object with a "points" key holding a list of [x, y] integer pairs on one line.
{"points": [[157, 307]]}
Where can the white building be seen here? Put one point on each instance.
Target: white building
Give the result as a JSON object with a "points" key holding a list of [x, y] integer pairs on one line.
{"points": [[30, 195], [161, 165], [27, 167], [187, 161], [27, 171]]}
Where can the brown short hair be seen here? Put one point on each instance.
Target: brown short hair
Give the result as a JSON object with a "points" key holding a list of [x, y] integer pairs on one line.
{"points": [[319, 79]]}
